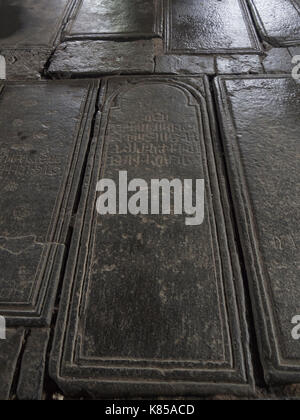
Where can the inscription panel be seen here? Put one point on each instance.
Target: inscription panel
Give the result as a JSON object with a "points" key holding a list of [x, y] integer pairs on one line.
{"points": [[114, 19], [278, 21], [155, 292], [208, 27], [40, 164], [262, 146]]}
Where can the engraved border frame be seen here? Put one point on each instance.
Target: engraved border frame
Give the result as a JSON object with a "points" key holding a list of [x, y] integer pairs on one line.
{"points": [[147, 381], [276, 369]]}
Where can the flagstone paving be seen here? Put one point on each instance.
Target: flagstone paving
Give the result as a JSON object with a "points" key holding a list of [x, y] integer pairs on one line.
{"points": [[147, 306], [29, 30]]}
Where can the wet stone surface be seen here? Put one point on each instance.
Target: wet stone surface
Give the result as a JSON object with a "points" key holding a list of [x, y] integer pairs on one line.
{"points": [[115, 19], [41, 159], [209, 27], [168, 299], [278, 21], [261, 146], [92, 58]]}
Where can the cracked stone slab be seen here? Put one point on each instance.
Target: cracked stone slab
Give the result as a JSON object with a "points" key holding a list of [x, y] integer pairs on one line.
{"points": [[41, 157], [10, 349], [33, 364], [151, 306], [208, 27], [278, 21], [262, 147], [94, 58], [28, 31], [115, 19]]}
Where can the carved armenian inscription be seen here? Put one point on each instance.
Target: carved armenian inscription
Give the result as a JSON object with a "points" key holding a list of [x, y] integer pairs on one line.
{"points": [[16, 163], [153, 287], [156, 141]]}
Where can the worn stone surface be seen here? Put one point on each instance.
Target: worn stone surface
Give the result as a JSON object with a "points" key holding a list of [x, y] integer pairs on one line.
{"points": [[278, 60], [25, 64], [9, 353], [32, 370], [28, 31], [260, 121], [239, 64], [213, 26], [177, 64], [115, 19], [278, 21], [42, 147], [103, 57], [152, 317]]}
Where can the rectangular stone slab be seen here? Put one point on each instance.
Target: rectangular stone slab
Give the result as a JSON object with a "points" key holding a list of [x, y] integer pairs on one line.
{"points": [[115, 19], [95, 58], [44, 134], [208, 27], [262, 149], [278, 21], [151, 306]]}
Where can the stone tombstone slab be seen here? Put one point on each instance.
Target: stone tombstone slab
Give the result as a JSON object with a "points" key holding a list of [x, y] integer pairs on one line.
{"points": [[115, 19], [208, 27], [278, 21], [40, 166], [151, 306], [28, 31], [262, 149]]}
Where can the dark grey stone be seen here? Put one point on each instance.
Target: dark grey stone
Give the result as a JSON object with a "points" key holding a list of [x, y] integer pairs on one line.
{"points": [[115, 19], [32, 370], [199, 27], [9, 353], [261, 124], [184, 64], [151, 306], [278, 60], [25, 64], [239, 64], [28, 31], [95, 58], [44, 134], [294, 51], [278, 21]]}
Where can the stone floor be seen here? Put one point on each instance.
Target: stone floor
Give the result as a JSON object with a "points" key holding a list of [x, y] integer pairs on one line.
{"points": [[123, 306]]}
